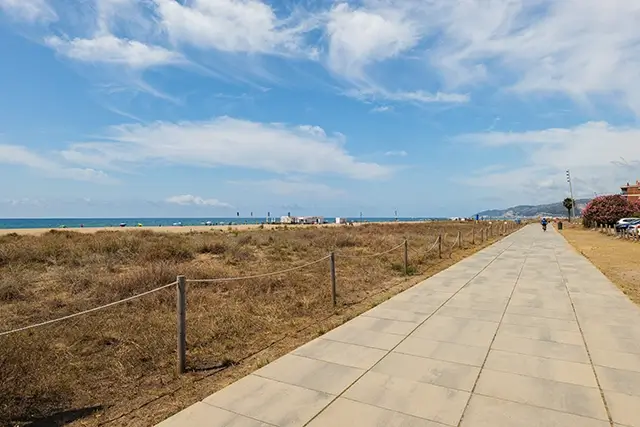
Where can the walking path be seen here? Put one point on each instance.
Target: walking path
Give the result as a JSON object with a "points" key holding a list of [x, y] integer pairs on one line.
{"points": [[524, 333]]}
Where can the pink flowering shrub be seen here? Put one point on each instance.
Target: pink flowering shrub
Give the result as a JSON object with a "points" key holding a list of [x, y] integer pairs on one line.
{"points": [[607, 210]]}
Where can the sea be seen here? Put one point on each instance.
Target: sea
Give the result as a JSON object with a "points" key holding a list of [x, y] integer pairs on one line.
{"points": [[47, 223]]}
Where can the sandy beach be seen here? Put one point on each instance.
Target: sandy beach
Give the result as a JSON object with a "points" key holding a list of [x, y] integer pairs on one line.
{"points": [[166, 229]]}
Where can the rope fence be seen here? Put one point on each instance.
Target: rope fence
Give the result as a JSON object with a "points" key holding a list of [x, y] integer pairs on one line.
{"points": [[485, 234], [623, 234]]}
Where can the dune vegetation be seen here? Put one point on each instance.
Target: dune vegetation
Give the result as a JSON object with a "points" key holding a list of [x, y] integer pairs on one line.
{"points": [[109, 366]]}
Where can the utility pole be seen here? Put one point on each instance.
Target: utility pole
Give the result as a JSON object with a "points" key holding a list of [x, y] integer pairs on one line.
{"points": [[573, 205]]}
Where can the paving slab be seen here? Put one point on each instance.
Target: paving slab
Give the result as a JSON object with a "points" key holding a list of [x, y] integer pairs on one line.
{"points": [[526, 332], [542, 367], [203, 415], [489, 412], [564, 397], [415, 398], [355, 356], [311, 373], [439, 372], [440, 350], [349, 413], [270, 401]]}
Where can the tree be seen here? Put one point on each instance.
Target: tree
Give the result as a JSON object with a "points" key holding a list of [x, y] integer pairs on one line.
{"points": [[606, 210], [568, 205]]}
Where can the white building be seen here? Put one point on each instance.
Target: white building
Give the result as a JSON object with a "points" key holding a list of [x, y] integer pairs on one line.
{"points": [[301, 220], [309, 220], [341, 220], [287, 220]]}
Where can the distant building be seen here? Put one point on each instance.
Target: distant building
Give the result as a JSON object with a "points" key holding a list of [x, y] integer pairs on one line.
{"points": [[301, 219], [340, 220], [287, 219], [631, 191]]}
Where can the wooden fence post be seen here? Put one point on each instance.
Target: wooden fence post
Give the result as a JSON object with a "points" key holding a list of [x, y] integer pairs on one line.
{"points": [[460, 239], [440, 246], [333, 278], [181, 308], [473, 236], [406, 257]]}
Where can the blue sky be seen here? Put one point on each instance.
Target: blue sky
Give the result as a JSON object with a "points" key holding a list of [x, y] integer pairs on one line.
{"points": [[209, 107]]}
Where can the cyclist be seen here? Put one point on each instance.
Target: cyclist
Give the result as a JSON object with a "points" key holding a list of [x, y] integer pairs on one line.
{"points": [[544, 224]]}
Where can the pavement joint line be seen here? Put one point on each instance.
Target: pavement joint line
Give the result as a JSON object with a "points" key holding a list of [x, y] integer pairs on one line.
{"points": [[539, 378], [400, 412], [440, 360], [240, 415], [296, 385], [541, 357], [358, 345], [484, 362], [384, 318], [545, 408], [311, 358], [414, 329], [586, 346]]}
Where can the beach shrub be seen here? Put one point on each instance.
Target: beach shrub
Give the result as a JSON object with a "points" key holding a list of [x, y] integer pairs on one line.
{"points": [[606, 210]]}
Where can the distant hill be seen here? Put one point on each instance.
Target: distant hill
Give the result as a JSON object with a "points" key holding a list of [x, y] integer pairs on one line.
{"points": [[523, 211]]}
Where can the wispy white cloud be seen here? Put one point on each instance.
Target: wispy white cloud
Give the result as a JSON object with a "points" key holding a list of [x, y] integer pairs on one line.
{"points": [[29, 10], [188, 199], [400, 153], [19, 155], [599, 155], [381, 109], [226, 141], [539, 46], [112, 50], [417, 97], [232, 26], [450, 47], [359, 37]]}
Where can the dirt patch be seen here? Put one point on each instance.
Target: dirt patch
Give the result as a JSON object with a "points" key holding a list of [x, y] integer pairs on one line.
{"points": [[618, 259], [116, 366]]}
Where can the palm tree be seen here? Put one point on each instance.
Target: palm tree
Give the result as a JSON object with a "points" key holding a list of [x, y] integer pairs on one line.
{"points": [[568, 205]]}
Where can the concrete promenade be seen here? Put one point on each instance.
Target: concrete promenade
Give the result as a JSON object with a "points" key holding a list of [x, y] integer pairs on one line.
{"points": [[526, 332]]}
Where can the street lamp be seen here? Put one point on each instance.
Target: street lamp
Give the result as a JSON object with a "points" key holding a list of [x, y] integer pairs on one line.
{"points": [[573, 204]]}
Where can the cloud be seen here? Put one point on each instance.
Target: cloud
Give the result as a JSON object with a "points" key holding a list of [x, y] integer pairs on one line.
{"points": [[231, 26], [293, 187], [112, 50], [539, 46], [381, 109], [600, 156], [189, 200], [416, 97], [29, 10], [445, 49], [400, 153], [19, 155], [360, 37], [226, 141]]}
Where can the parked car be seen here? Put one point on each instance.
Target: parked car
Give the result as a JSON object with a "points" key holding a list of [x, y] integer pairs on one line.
{"points": [[624, 223], [634, 228]]}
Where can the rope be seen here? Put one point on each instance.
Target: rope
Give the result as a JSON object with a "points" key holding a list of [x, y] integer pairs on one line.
{"points": [[372, 255], [111, 304], [256, 276], [416, 251]]}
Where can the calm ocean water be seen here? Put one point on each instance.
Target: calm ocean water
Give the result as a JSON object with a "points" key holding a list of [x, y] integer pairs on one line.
{"points": [[132, 222]]}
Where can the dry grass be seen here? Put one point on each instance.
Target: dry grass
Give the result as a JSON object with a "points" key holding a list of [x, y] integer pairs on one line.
{"points": [[116, 366], [616, 258]]}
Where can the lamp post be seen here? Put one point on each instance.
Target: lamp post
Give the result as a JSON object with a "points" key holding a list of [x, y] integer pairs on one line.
{"points": [[573, 204]]}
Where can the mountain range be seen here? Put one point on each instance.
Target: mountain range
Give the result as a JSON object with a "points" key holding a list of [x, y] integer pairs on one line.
{"points": [[529, 211]]}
